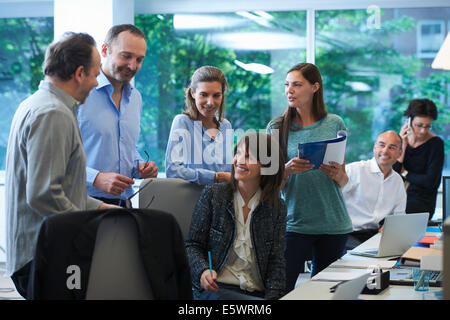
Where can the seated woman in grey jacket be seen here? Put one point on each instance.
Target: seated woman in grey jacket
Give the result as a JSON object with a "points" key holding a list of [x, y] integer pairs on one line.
{"points": [[241, 226]]}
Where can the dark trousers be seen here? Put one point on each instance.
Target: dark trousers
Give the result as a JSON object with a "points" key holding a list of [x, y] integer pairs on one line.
{"points": [[21, 278], [228, 292], [324, 250], [117, 202]]}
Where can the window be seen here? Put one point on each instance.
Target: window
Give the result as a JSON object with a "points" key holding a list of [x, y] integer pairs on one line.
{"points": [[370, 67], [23, 42], [254, 49], [371, 74], [430, 35]]}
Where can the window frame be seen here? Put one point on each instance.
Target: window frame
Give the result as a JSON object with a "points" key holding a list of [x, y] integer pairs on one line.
{"points": [[420, 45]]}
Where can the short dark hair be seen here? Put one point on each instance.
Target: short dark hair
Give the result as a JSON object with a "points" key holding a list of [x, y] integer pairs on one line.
{"points": [[63, 57], [117, 29], [270, 184], [421, 108]]}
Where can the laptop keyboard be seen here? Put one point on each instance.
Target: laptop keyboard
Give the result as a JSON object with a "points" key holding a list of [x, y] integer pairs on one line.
{"points": [[403, 276]]}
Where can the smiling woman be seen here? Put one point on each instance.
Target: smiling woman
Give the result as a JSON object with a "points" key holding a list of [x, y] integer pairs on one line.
{"points": [[242, 224], [202, 127]]}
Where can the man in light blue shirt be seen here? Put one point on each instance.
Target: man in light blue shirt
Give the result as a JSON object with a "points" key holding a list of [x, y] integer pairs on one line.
{"points": [[109, 120]]}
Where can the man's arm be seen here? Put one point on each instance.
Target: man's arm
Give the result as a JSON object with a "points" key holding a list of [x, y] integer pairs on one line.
{"points": [[49, 148]]}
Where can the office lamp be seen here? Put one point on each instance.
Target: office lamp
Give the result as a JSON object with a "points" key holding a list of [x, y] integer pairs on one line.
{"points": [[442, 59]]}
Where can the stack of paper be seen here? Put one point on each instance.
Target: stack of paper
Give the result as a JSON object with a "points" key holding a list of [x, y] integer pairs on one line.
{"points": [[339, 275], [363, 264], [413, 255]]}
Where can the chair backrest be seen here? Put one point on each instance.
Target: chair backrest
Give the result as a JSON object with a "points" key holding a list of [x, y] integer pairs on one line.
{"points": [[172, 195], [117, 269]]}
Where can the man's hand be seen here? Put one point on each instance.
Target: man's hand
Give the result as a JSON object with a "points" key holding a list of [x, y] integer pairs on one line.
{"points": [[222, 176], [336, 172], [112, 183], [148, 170]]}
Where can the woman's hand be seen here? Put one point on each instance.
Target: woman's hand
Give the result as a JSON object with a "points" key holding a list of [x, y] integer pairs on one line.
{"points": [[336, 172], [297, 165], [405, 132], [208, 282]]}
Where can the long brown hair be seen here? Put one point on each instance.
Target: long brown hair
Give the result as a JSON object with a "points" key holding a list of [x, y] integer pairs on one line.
{"points": [[205, 74], [312, 74], [270, 183]]}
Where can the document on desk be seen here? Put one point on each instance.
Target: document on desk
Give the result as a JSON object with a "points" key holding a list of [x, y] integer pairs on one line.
{"points": [[339, 274], [363, 264]]}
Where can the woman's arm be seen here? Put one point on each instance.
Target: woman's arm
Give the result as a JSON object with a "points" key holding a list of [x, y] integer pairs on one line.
{"points": [[276, 269], [178, 154]]}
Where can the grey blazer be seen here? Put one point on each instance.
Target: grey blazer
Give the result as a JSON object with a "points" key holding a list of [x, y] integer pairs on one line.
{"points": [[213, 228]]}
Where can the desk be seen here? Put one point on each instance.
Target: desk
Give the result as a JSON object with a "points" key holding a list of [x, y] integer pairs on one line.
{"points": [[320, 290]]}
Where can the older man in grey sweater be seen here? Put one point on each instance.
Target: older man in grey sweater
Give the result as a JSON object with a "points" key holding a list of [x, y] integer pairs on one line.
{"points": [[46, 163]]}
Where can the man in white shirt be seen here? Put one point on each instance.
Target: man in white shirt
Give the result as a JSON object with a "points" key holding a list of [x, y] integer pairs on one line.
{"points": [[372, 189]]}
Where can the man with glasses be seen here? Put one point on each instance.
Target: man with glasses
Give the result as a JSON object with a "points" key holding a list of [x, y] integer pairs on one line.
{"points": [[372, 189], [109, 120], [45, 162]]}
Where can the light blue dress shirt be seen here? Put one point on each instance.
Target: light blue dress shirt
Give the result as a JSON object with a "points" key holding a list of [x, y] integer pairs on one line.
{"points": [[109, 135], [193, 155]]}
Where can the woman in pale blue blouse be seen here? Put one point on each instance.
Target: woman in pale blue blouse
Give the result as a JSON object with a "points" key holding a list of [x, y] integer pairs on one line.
{"points": [[200, 141]]}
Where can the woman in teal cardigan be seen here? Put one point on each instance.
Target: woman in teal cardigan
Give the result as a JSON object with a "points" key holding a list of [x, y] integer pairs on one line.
{"points": [[317, 220]]}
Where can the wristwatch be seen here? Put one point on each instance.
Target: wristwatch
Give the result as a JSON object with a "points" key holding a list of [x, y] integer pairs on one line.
{"points": [[404, 173]]}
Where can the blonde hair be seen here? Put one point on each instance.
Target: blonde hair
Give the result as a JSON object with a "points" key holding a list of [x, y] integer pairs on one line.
{"points": [[205, 74]]}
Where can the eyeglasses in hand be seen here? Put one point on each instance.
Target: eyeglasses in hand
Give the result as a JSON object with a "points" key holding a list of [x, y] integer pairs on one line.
{"points": [[128, 200]]}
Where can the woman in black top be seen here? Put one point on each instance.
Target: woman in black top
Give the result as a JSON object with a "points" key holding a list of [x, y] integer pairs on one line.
{"points": [[423, 157]]}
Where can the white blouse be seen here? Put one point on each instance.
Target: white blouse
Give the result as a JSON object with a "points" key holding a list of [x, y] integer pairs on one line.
{"points": [[240, 268]]}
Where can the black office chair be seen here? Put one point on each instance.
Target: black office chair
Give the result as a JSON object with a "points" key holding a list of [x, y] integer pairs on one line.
{"points": [[110, 254], [173, 195], [119, 273]]}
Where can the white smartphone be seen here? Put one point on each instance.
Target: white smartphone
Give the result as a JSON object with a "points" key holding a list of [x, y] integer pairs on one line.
{"points": [[409, 125]]}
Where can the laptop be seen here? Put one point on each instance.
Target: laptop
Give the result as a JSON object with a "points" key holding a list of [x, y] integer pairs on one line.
{"points": [[404, 277], [400, 232], [350, 290]]}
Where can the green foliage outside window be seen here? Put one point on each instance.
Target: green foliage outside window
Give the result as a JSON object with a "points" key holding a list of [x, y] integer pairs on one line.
{"points": [[23, 42], [346, 52]]}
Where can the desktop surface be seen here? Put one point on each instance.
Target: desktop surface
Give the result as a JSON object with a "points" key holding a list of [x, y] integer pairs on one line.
{"points": [[320, 290]]}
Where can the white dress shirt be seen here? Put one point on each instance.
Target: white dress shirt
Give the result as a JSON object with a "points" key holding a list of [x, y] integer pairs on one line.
{"points": [[370, 197], [240, 268]]}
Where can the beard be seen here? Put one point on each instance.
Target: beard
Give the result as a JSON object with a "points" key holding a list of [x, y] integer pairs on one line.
{"points": [[123, 73]]}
